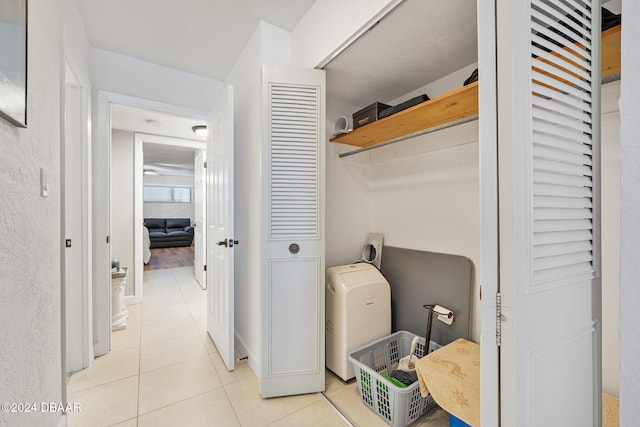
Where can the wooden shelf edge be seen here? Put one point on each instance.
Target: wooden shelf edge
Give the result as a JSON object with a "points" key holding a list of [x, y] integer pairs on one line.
{"points": [[451, 106], [610, 52]]}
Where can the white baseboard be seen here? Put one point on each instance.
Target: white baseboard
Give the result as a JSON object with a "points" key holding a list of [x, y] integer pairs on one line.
{"points": [[252, 360]]}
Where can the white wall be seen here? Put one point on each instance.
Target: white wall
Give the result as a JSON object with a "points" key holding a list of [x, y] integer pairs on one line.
{"points": [[30, 252], [268, 45], [425, 191], [422, 193], [346, 196], [77, 44], [441, 86], [430, 200], [329, 24], [629, 224], [146, 85], [245, 79], [404, 191], [122, 202], [610, 178], [169, 210], [129, 76], [426, 197], [614, 6]]}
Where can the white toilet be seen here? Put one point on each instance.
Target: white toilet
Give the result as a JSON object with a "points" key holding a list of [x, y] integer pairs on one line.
{"points": [[358, 311]]}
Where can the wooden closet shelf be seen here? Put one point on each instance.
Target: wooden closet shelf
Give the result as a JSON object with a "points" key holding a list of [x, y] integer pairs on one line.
{"points": [[610, 52], [451, 106], [455, 105]]}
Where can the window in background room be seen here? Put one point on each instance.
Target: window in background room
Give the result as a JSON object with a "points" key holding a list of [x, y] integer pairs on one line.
{"points": [[160, 194]]}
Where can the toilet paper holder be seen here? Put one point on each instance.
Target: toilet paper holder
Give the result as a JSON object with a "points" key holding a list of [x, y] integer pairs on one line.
{"points": [[444, 315]]}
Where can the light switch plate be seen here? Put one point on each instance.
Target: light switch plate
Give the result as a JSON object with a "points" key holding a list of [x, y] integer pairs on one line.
{"points": [[44, 183]]}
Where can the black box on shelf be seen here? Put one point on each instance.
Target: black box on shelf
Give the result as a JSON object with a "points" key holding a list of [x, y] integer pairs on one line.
{"points": [[368, 114]]}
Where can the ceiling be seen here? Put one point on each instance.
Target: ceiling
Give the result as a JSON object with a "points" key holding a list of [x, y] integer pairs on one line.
{"points": [[417, 43], [153, 122], [203, 37], [168, 159], [164, 158]]}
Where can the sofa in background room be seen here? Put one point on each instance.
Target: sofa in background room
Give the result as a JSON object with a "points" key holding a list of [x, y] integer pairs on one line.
{"points": [[169, 232]]}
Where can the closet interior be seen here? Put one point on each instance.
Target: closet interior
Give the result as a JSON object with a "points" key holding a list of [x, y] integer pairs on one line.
{"points": [[422, 193]]}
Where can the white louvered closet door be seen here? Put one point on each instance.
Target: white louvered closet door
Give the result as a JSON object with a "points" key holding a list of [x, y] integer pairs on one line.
{"points": [[293, 236], [549, 207]]}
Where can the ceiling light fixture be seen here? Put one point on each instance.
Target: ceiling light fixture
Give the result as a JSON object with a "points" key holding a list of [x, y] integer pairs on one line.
{"points": [[200, 130], [149, 171]]}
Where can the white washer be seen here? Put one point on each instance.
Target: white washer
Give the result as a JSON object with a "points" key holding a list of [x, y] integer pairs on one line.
{"points": [[358, 311]]}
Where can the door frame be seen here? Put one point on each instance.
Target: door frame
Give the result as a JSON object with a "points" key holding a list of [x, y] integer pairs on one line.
{"points": [[72, 74], [138, 203], [200, 206], [489, 221], [102, 204], [489, 385], [82, 173]]}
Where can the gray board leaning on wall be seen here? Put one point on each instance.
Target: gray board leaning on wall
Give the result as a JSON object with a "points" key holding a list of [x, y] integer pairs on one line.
{"points": [[420, 277]]}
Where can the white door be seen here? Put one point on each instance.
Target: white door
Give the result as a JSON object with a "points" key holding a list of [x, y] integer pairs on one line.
{"points": [[199, 239], [292, 296], [489, 386], [220, 238], [77, 354], [548, 151]]}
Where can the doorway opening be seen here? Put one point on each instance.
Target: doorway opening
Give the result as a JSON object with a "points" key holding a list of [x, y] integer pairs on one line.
{"points": [[154, 158], [173, 188]]}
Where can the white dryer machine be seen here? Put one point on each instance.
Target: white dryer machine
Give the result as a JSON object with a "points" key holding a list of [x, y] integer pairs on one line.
{"points": [[358, 311]]}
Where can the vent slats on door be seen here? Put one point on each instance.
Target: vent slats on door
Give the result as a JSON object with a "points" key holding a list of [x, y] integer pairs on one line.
{"points": [[294, 142], [562, 129]]}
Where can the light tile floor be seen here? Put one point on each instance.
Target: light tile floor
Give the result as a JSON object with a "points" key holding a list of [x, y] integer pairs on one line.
{"points": [[163, 370]]}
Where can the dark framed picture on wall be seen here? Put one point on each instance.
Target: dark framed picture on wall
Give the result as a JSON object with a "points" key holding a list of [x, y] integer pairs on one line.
{"points": [[13, 61]]}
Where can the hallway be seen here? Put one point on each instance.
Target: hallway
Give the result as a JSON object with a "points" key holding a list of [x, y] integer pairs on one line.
{"points": [[164, 370]]}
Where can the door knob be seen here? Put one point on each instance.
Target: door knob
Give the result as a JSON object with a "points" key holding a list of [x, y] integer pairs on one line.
{"points": [[294, 248], [223, 243]]}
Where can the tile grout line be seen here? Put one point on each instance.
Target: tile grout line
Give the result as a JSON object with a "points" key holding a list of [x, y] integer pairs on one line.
{"points": [[139, 358], [322, 397], [184, 301], [182, 400], [102, 384], [120, 422], [233, 408], [193, 319], [342, 415], [223, 386]]}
